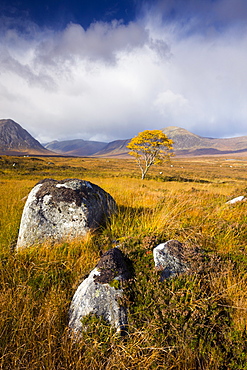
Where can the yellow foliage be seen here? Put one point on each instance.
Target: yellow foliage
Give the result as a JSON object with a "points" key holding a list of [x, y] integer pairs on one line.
{"points": [[150, 147]]}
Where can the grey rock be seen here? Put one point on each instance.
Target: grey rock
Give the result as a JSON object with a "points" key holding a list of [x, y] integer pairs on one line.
{"points": [[101, 293], [168, 258], [59, 210]]}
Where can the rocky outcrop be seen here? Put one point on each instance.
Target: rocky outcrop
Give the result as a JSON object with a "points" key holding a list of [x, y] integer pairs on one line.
{"points": [[58, 210], [101, 293]]}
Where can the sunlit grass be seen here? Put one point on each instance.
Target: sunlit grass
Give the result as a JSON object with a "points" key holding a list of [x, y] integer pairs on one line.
{"points": [[196, 321]]}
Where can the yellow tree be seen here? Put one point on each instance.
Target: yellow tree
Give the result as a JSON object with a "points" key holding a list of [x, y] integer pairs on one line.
{"points": [[150, 147]]}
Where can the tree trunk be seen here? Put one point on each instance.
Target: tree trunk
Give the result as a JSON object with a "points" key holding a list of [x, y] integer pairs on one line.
{"points": [[144, 172]]}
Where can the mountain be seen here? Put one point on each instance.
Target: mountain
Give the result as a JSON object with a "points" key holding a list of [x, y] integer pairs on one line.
{"points": [[78, 147], [186, 143], [14, 140], [182, 139], [115, 148], [82, 148]]}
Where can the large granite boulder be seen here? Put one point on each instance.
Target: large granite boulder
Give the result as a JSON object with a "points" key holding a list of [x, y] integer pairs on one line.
{"points": [[101, 293], [66, 209]]}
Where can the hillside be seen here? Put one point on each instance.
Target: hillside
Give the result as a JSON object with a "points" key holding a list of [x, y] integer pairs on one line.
{"points": [[114, 149], [14, 140], [186, 143], [78, 147], [81, 148]]}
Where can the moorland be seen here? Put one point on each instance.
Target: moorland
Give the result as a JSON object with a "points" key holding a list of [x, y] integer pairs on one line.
{"points": [[193, 321]]}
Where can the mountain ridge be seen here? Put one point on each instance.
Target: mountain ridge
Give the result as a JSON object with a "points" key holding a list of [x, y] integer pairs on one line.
{"points": [[76, 147], [192, 144], [14, 140]]}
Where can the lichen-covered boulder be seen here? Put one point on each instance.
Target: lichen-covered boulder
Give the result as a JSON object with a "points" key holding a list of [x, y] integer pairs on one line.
{"points": [[59, 210], [169, 259], [101, 293]]}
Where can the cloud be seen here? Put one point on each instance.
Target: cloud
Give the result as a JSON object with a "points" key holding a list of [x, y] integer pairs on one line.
{"points": [[101, 41], [170, 104], [198, 16], [113, 79]]}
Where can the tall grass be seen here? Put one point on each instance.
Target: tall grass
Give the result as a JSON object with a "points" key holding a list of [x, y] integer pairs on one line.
{"points": [[195, 321]]}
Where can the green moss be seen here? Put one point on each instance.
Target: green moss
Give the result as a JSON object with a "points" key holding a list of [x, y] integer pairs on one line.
{"points": [[115, 284]]}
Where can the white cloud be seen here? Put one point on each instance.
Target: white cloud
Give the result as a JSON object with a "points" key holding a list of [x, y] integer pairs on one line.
{"points": [[113, 80], [170, 104]]}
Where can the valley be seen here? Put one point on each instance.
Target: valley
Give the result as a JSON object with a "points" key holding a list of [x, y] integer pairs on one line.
{"points": [[195, 320]]}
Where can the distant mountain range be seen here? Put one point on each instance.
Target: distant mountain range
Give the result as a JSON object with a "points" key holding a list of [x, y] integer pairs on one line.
{"points": [[77, 147], [83, 148], [14, 140]]}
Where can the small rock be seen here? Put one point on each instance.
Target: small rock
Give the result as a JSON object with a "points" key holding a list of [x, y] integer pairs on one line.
{"points": [[235, 200], [58, 210], [100, 293], [168, 258]]}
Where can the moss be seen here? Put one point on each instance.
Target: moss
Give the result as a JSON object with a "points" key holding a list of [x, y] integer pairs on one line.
{"points": [[115, 284]]}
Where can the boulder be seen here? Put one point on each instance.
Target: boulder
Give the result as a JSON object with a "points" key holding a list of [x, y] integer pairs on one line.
{"points": [[101, 293], [169, 259], [66, 209]]}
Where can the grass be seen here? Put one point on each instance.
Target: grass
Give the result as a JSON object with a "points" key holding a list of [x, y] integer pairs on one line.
{"points": [[195, 321]]}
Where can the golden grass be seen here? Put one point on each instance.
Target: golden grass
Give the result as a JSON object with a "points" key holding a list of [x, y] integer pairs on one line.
{"points": [[192, 322]]}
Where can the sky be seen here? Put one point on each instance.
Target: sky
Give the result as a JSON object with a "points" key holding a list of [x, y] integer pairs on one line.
{"points": [[107, 69]]}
